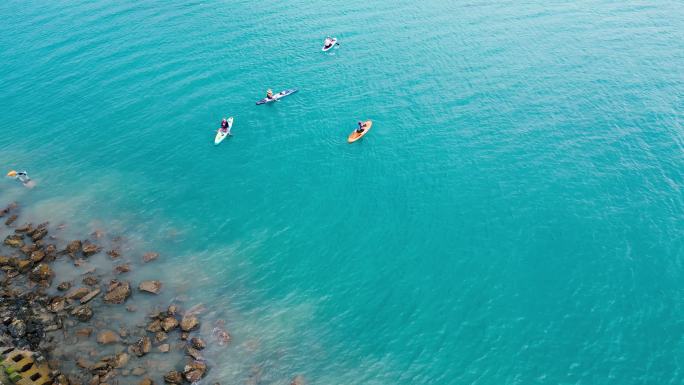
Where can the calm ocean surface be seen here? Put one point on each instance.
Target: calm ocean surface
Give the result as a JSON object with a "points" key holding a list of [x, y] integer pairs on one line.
{"points": [[515, 216]]}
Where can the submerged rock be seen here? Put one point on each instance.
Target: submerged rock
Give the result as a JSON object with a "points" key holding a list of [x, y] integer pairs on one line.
{"points": [[198, 343], [189, 322], [194, 353], [17, 328], [89, 249], [120, 269], [57, 304], [160, 337], [64, 286], [91, 280], [298, 380], [117, 292], [73, 247], [141, 347], [14, 240], [150, 286], [154, 326], [164, 348], [173, 377], [149, 257], [107, 337], [90, 296], [194, 371], [82, 313], [77, 293], [114, 253], [11, 219], [146, 381], [169, 323], [37, 256], [42, 272]]}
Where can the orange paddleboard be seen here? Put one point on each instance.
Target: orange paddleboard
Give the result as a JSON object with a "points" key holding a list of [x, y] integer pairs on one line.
{"points": [[354, 136]]}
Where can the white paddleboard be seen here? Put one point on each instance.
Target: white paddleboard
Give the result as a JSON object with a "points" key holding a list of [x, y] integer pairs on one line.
{"points": [[220, 134], [334, 41]]}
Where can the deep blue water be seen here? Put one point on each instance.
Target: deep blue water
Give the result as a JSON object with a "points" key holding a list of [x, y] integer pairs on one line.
{"points": [[515, 216]]}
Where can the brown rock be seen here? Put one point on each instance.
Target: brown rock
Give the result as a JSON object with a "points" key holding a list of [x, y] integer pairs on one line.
{"points": [[149, 257], [14, 241], [114, 253], [173, 377], [107, 337], [25, 228], [141, 347], [160, 337], [91, 280], [42, 272], [198, 343], [4, 261], [184, 336], [164, 348], [90, 296], [146, 381], [77, 293], [101, 368], [154, 326], [138, 371], [298, 380], [11, 220], [172, 310], [169, 323], [37, 256], [23, 265], [194, 371], [84, 332], [88, 249], [194, 353], [57, 304], [73, 247], [120, 269], [117, 292], [150, 286], [39, 234], [189, 322], [64, 286], [83, 363], [121, 360], [82, 313]]}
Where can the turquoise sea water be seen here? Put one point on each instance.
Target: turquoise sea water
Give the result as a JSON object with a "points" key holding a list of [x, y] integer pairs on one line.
{"points": [[515, 216]]}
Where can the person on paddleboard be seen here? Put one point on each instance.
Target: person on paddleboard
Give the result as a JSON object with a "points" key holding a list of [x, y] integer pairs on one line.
{"points": [[361, 127], [21, 176], [328, 42], [269, 94], [224, 125]]}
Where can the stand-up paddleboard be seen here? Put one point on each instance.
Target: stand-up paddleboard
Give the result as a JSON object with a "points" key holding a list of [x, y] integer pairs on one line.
{"points": [[220, 134], [354, 136], [277, 96], [332, 44]]}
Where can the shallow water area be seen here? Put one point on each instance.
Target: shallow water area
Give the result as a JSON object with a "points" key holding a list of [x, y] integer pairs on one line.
{"points": [[514, 216]]}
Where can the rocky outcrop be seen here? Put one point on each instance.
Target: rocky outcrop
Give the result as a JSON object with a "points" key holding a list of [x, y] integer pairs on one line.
{"points": [[150, 286], [88, 249], [173, 377], [107, 337], [117, 292], [14, 240], [149, 257], [194, 371], [141, 347], [189, 322]]}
